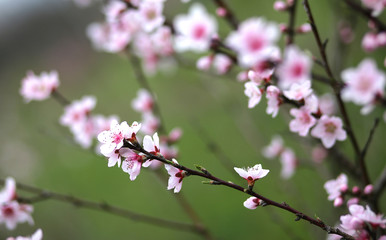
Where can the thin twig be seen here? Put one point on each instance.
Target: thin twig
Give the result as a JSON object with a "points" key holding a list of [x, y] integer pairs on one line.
{"points": [[217, 181], [380, 184], [60, 98], [101, 206], [367, 14], [336, 87], [371, 134], [229, 16]]}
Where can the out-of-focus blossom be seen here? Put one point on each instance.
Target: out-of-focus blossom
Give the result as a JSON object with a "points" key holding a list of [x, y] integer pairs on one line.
{"points": [[363, 83], [273, 102], [280, 6], [254, 39], [296, 67], [252, 203], [329, 129], [77, 111], [194, 30], [346, 32], [12, 213], [150, 123], [253, 92], [176, 177], [222, 63], [318, 154], [304, 28], [335, 187], [38, 235], [150, 14], [376, 5], [299, 91], [327, 104], [252, 174], [144, 101], [39, 87], [288, 163], [8, 193], [275, 148]]}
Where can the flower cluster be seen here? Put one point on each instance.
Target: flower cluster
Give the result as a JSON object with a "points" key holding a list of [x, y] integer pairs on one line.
{"points": [[39, 88], [11, 211]]}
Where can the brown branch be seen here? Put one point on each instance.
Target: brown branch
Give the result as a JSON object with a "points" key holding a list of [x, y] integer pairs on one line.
{"points": [[371, 134], [291, 23], [101, 206], [229, 16], [60, 98], [217, 181], [367, 14], [380, 184], [335, 85]]}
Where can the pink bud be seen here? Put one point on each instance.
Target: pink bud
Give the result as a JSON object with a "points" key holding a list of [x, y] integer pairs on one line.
{"points": [[204, 63], [338, 202], [280, 6], [243, 76], [283, 27], [175, 134], [369, 42], [344, 188], [381, 39], [290, 2], [368, 189], [305, 28], [356, 190], [352, 201], [221, 12]]}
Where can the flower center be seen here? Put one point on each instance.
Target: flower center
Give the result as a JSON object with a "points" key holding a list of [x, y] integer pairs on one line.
{"points": [[330, 127], [8, 211], [199, 31]]}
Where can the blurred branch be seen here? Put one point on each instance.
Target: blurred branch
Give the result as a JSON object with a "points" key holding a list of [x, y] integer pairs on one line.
{"points": [[291, 23], [229, 15], [364, 151], [334, 83], [367, 14], [60, 98], [217, 181], [100, 206], [380, 184]]}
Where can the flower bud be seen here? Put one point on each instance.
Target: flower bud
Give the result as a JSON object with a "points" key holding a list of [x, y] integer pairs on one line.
{"points": [[368, 189]]}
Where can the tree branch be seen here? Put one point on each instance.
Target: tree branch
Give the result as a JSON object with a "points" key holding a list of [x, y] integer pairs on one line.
{"points": [[229, 16], [367, 14]]}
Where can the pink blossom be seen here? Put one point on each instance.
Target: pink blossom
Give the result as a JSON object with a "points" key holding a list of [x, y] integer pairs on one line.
{"points": [[254, 39], [169, 152], [329, 129], [346, 32], [113, 9], [304, 28], [150, 14], [144, 101], [8, 193], [253, 92], [12, 213], [84, 132], [370, 42], [280, 6], [334, 187], [175, 135], [275, 148], [338, 201], [303, 121], [194, 30], [311, 103], [299, 91], [152, 146], [288, 163], [327, 104], [376, 5], [39, 87], [77, 111], [252, 174], [150, 123], [319, 153], [176, 177], [132, 162], [363, 82], [221, 12], [273, 103], [38, 235], [382, 237], [243, 76], [252, 203], [205, 62], [263, 68], [296, 67], [162, 41], [222, 63], [113, 140], [352, 201], [368, 189], [376, 220]]}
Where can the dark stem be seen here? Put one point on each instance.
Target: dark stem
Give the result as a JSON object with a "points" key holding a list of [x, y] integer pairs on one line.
{"points": [[367, 14], [229, 16], [60, 98], [101, 206], [336, 87], [218, 181], [372, 131], [291, 23]]}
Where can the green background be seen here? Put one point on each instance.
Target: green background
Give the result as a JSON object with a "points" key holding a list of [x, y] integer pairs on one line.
{"points": [[36, 150]]}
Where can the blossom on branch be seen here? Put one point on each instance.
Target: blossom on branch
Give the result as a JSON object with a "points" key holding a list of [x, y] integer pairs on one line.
{"points": [[152, 146], [39, 87], [38, 235], [252, 174], [253, 92], [303, 121], [253, 203], [144, 101], [336, 187], [176, 177], [132, 162], [329, 129]]}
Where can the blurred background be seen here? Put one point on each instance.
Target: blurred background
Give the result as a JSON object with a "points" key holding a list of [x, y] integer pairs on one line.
{"points": [[44, 35]]}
